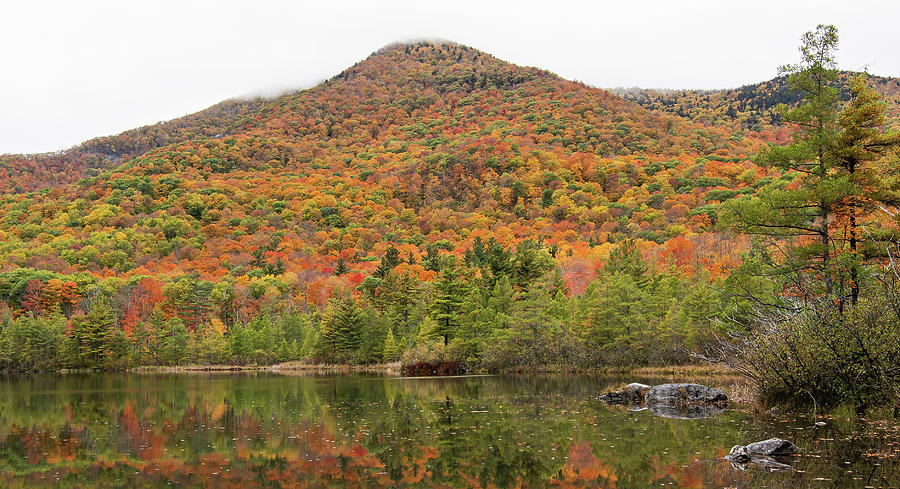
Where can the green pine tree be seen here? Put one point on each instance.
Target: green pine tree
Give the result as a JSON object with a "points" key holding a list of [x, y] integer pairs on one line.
{"points": [[447, 302], [389, 261], [391, 348], [92, 334], [340, 268], [626, 259]]}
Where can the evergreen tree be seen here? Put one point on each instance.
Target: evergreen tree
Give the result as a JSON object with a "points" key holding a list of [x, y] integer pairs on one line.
{"points": [[92, 334], [626, 259], [861, 143], [391, 348], [487, 314], [343, 328], [390, 261], [173, 347], [612, 309], [530, 262], [800, 215], [829, 184], [238, 343], [447, 302], [403, 294], [37, 341], [140, 339], [340, 268]]}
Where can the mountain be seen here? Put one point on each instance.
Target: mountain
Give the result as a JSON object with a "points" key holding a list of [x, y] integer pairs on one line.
{"points": [[25, 173], [750, 107], [424, 146], [431, 201]]}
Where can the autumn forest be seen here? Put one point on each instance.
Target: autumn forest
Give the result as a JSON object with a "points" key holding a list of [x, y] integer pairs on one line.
{"points": [[434, 204]]}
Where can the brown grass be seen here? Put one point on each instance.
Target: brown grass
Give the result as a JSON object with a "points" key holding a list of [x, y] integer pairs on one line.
{"points": [[376, 368], [198, 368], [675, 371], [284, 368]]}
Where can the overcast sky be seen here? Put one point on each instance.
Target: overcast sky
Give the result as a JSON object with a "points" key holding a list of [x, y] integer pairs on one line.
{"points": [[72, 70]]}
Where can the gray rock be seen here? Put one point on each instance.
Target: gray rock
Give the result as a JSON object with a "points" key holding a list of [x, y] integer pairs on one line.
{"points": [[773, 447], [636, 391], [738, 454], [684, 394], [632, 394]]}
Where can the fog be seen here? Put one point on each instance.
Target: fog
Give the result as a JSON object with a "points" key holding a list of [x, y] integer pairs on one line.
{"points": [[76, 70]]}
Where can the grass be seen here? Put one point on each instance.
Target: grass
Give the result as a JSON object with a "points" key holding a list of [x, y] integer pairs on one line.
{"points": [[376, 368], [674, 371]]}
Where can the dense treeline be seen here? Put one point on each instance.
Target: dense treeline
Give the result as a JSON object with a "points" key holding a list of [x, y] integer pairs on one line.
{"points": [[492, 308]]}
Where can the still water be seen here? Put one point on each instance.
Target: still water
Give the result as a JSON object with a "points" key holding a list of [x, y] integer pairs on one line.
{"points": [[277, 431]]}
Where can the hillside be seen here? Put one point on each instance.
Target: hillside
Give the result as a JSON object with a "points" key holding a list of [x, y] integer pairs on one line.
{"points": [[25, 173], [750, 107], [415, 145], [326, 226]]}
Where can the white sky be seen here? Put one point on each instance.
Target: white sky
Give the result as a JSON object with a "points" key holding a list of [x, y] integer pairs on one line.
{"points": [[74, 69]]}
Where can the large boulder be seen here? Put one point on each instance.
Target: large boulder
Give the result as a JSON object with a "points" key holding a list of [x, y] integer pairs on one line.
{"points": [[684, 395]]}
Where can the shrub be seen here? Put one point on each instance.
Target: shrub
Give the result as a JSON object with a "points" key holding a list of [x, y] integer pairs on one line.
{"points": [[819, 354]]}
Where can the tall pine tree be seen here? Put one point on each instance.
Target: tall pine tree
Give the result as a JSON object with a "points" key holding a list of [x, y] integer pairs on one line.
{"points": [[447, 302]]}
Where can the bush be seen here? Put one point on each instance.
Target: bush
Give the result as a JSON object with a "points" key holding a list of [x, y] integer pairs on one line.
{"points": [[819, 354]]}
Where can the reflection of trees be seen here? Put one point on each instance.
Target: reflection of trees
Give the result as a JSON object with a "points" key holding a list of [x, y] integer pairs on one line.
{"points": [[262, 431]]}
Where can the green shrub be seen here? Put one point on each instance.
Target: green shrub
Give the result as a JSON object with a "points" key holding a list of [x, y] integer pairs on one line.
{"points": [[822, 355]]}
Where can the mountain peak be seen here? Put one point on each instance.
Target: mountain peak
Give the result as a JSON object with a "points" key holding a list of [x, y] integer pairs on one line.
{"points": [[439, 63]]}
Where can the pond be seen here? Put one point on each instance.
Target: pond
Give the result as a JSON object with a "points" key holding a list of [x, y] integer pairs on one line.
{"points": [[278, 431]]}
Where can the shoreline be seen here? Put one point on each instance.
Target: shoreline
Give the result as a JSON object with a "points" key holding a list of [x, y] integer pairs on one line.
{"points": [[397, 367], [286, 367]]}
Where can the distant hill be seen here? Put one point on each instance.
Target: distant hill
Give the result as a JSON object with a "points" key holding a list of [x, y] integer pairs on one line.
{"points": [[23, 173], [750, 107]]}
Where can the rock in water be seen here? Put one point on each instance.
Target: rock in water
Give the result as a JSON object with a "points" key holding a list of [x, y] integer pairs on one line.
{"points": [[772, 447], [738, 454], [684, 394], [632, 394], [636, 392]]}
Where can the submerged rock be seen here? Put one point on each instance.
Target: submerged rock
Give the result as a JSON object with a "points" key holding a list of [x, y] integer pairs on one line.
{"points": [[684, 394]]}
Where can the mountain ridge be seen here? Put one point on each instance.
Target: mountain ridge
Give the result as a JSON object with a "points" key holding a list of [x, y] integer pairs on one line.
{"points": [[97, 154], [746, 108]]}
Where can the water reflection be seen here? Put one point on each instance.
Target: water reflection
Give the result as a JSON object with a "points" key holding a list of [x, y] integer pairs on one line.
{"points": [[690, 411], [766, 463], [267, 431]]}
